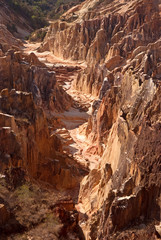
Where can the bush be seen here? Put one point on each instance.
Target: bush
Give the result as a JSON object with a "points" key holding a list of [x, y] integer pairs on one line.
{"points": [[37, 11], [30, 10], [24, 193]]}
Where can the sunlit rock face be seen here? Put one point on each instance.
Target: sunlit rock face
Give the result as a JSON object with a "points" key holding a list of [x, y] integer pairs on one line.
{"points": [[120, 43], [123, 128], [27, 73], [116, 35]]}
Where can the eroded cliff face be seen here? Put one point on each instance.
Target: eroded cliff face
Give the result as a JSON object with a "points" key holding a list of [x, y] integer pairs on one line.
{"points": [[128, 173], [26, 73], [108, 39], [120, 43], [27, 87]]}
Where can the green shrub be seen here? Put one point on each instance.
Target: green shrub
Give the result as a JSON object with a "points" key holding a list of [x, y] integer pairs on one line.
{"points": [[37, 11], [31, 11], [24, 192]]}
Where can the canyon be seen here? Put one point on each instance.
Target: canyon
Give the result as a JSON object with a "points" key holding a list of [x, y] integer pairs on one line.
{"points": [[80, 125]]}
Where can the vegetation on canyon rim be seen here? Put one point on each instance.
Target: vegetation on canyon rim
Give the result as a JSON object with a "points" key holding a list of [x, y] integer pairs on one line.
{"points": [[37, 12]]}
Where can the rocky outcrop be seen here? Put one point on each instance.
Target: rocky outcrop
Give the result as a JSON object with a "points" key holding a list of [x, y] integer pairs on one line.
{"points": [[27, 86], [26, 142], [4, 214], [69, 217], [108, 40], [121, 47], [120, 44], [125, 187], [28, 74], [117, 123]]}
